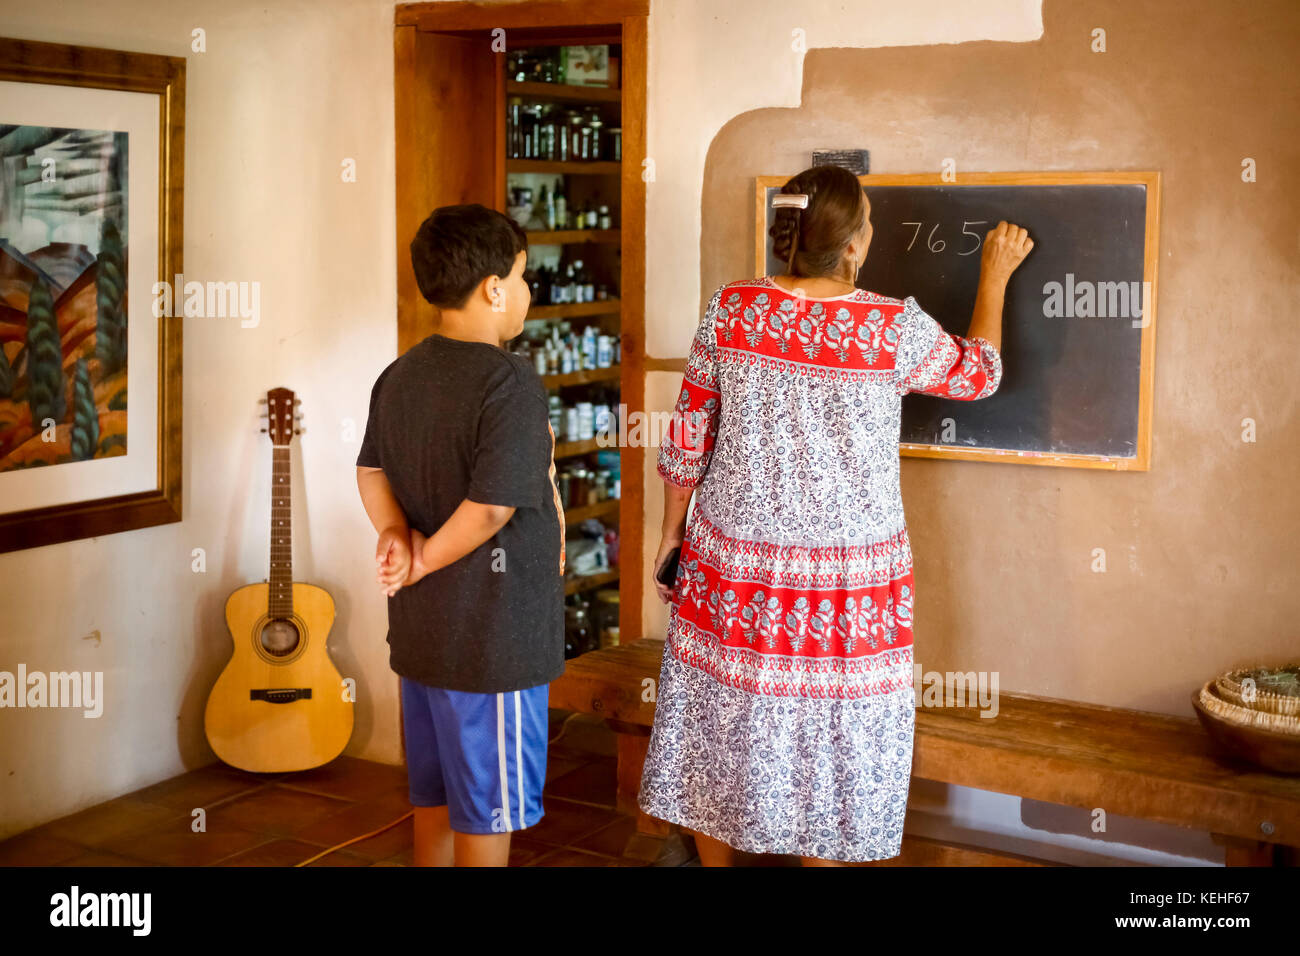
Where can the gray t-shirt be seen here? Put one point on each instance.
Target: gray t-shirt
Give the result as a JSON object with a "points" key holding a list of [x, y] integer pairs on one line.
{"points": [[451, 420]]}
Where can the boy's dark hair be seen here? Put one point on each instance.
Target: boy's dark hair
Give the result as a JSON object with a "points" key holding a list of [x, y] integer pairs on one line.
{"points": [[458, 247]]}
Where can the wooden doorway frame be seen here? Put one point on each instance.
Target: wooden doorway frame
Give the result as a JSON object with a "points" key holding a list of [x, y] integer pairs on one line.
{"points": [[427, 178]]}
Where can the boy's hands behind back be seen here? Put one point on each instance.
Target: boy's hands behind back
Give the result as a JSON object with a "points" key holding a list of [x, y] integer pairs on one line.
{"points": [[393, 555], [418, 568]]}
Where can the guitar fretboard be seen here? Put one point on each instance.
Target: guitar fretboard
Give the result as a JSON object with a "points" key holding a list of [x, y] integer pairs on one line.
{"points": [[280, 601]]}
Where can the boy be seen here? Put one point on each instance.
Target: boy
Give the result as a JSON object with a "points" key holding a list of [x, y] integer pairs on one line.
{"points": [[456, 473]]}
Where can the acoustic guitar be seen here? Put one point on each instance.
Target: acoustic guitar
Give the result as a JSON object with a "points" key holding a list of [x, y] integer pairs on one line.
{"points": [[280, 703]]}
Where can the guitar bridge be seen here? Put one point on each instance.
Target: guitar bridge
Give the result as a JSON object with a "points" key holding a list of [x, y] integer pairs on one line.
{"points": [[281, 695]]}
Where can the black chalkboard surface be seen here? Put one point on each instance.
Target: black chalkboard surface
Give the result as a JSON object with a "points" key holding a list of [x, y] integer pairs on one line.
{"points": [[1078, 325]]}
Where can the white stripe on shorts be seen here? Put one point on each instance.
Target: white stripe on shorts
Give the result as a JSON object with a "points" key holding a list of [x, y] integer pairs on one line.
{"points": [[519, 760], [501, 760]]}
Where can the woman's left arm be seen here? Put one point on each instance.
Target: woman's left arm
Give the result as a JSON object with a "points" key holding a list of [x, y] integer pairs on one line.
{"points": [[687, 448]]}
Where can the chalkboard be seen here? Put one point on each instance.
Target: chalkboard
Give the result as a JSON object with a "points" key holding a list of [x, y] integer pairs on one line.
{"points": [[1078, 333]]}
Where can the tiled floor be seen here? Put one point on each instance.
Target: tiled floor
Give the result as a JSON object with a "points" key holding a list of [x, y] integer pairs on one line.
{"points": [[282, 819]]}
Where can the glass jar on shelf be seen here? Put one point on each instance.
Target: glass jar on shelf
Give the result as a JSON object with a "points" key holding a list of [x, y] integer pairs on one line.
{"points": [[547, 137], [594, 125], [550, 66], [515, 135], [575, 127]]}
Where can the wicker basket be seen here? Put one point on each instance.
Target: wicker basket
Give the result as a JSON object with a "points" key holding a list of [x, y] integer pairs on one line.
{"points": [[1276, 690], [1265, 730]]}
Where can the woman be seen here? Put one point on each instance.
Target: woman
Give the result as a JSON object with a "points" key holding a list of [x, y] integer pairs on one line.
{"points": [[785, 705]]}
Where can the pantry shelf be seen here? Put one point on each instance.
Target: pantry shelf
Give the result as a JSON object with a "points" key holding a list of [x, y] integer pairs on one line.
{"points": [[571, 237], [583, 377], [564, 92], [602, 509], [575, 309], [588, 581], [559, 167]]}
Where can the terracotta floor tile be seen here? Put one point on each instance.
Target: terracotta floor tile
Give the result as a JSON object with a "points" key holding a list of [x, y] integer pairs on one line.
{"points": [[200, 788], [644, 847], [179, 845], [357, 818], [567, 856], [342, 858], [565, 822], [273, 853], [611, 840], [104, 858], [387, 844], [524, 850], [348, 778], [38, 848], [109, 822], [594, 782], [405, 858], [276, 811], [677, 851]]}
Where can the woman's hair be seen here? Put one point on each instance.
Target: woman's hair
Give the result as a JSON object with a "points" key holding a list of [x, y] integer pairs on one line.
{"points": [[811, 241]]}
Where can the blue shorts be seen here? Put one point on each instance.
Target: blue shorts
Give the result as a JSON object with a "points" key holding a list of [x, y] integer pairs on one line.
{"points": [[483, 756]]}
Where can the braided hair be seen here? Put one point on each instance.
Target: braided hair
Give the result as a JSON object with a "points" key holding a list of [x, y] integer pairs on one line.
{"points": [[811, 241]]}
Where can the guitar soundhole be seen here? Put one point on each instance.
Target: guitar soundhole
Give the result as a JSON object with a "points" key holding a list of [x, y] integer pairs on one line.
{"points": [[279, 638]]}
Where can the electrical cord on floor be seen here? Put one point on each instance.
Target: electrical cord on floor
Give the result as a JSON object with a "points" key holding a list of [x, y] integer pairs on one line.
{"points": [[388, 826], [357, 839]]}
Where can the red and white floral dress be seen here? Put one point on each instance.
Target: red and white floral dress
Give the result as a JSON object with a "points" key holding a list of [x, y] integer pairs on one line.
{"points": [[785, 708]]}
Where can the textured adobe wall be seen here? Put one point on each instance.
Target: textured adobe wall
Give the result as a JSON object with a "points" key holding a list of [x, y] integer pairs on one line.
{"points": [[1202, 550]]}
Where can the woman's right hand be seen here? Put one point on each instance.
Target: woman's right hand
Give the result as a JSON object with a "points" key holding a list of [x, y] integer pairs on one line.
{"points": [[666, 545], [1005, 247]]}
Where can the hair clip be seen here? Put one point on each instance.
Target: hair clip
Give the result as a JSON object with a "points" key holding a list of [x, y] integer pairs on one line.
{"points": [[798, 200]]}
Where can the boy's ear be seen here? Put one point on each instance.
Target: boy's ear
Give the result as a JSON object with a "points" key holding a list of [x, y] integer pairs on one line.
{"points": [[494, 291]]}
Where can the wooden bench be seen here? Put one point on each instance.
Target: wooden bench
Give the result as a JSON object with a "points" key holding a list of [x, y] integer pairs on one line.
{"points": [[1129, 763]]}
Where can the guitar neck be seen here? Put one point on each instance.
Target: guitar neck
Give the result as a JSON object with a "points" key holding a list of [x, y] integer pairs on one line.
{"points": [[280, 598]]}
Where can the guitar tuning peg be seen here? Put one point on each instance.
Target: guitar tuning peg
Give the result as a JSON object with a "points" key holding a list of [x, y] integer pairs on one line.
{"points": [[262, 430], [299, 431], [261, 401]]}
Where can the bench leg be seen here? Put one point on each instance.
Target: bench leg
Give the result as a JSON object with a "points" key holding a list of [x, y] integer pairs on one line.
{"points": [[633, 742], [1239, 852]]}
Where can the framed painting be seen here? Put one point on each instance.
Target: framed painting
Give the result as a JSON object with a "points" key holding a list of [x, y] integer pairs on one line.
{"points": [[91, 186]]}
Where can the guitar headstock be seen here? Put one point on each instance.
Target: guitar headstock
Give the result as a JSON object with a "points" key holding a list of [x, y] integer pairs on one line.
{"points": [[281, 416]]}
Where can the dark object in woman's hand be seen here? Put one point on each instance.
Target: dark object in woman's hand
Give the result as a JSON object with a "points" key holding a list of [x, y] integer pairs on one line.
{"points": [[667, 575]]}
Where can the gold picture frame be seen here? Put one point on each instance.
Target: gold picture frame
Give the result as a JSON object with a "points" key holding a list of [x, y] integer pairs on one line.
{"points": [[91, 68]]}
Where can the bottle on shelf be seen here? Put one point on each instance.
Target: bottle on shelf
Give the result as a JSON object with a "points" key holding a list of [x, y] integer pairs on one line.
{"points": [[574, 134], [548, 208], [605, 220], [594, 125], [514, 138], [547, 133], [591, 213], [561, 206]]}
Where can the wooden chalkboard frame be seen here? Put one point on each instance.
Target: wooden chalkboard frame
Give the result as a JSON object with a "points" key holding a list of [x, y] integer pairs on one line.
{"points": [[1141, 460]]}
